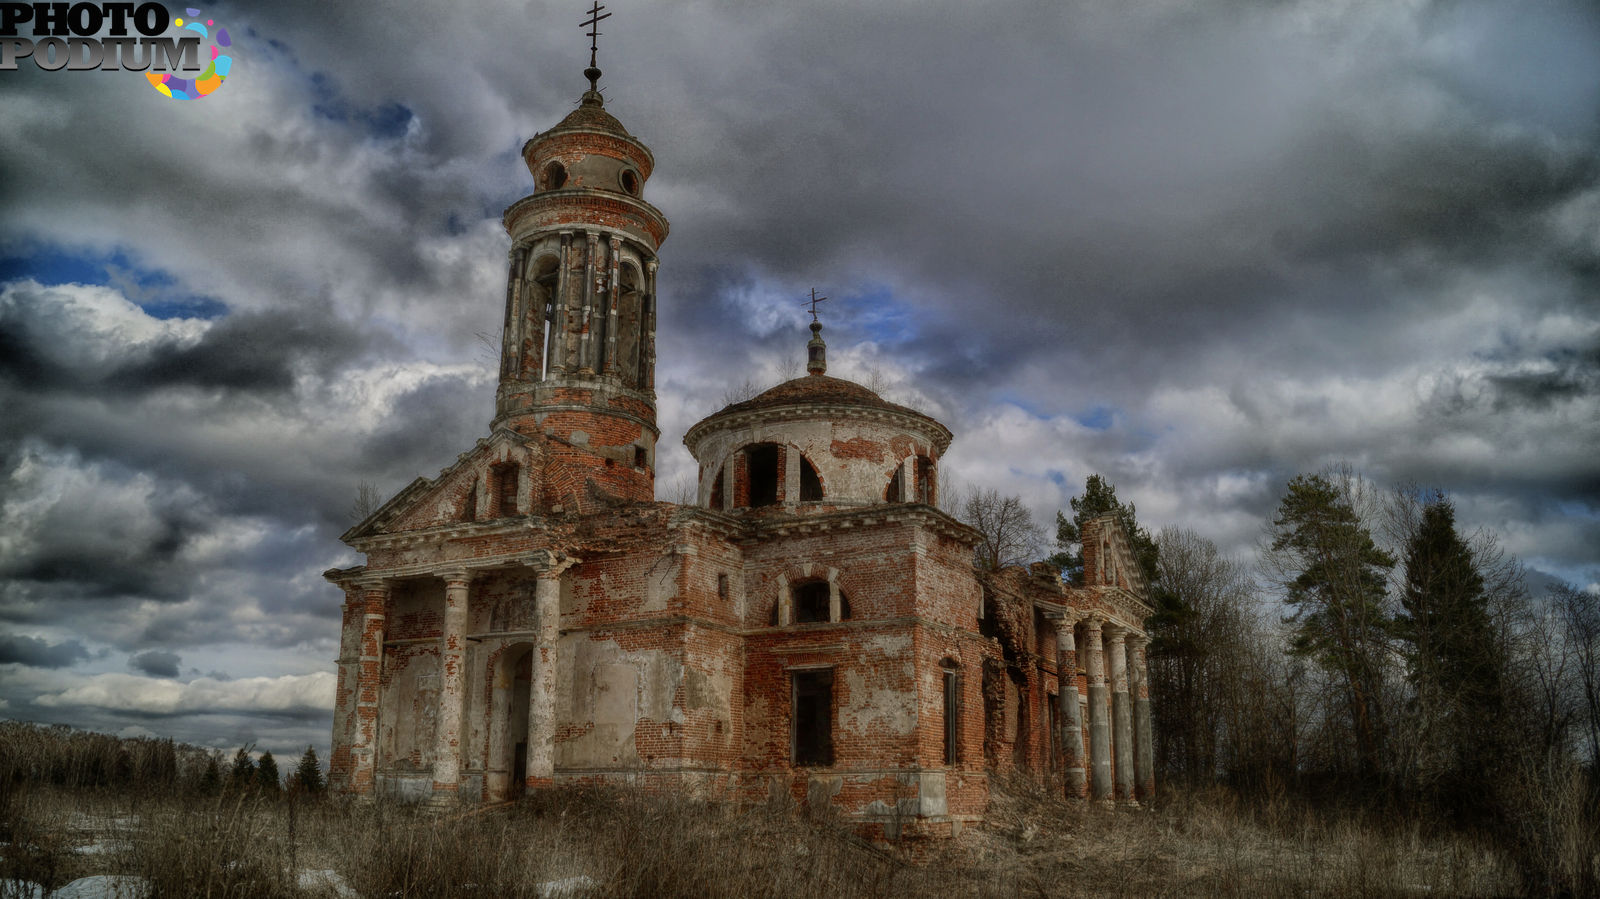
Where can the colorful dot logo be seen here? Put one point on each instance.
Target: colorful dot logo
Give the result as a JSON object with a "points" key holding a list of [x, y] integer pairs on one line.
{"points": [[215, 73]]}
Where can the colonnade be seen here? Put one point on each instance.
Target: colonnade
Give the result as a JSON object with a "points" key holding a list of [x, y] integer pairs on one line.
{"points": [[361, 670], [1119, 727]]}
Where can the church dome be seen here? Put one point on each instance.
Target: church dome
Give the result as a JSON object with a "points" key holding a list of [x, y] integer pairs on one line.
{"points": [[816, 443], [811, 390], [591, 117]]}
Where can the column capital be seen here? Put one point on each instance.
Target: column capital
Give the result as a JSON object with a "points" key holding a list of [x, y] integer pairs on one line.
{"points": [[453, 576], [1138, 640], [373, 583], [1094, 621]]}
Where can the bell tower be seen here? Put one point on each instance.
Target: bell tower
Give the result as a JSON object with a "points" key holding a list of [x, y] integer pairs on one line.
{"points": [[577, 366]]}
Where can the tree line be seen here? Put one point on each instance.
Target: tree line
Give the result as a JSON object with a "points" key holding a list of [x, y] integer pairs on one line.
{"points": [[1373, 655]]}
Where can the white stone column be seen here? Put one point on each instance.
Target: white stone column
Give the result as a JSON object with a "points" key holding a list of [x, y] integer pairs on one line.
{"points": [[347, 692], [541, 767], [613, 258], [586, 349], [1121, 715], [559, 362], [452, 670], [1099, 723], [649, 348], [1144, 771], [369, 686], [791, 476], [1068, 714]]}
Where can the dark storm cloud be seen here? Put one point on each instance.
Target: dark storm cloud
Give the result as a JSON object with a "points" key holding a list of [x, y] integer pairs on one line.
{"points": [[1196, 247], [251, 351], [37, 653], [156, 663]]}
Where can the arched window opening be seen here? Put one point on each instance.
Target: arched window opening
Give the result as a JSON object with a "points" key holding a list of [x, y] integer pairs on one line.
{"points": [[469, 506], [505, 481], [761, 467], [541, 310], [643, 379], [810, 484], [553, 176], [927, 489], [628, 325], [811, 601], [891, 494]]}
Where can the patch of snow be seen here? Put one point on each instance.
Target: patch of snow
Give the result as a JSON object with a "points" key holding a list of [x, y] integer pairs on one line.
{"points": [[566, 887], [104, 886], [325, 880], [20, 889], [99, 848]]}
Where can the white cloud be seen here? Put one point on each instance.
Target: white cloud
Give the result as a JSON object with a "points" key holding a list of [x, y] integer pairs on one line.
{"points": [[295, 693]]}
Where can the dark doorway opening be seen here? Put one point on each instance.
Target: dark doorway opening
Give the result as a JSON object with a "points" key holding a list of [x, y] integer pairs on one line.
{"points": [[812, 702]]}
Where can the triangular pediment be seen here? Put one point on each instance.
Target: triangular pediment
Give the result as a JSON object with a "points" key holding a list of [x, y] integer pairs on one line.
{"points": [[1108, 557], [454, 496]]}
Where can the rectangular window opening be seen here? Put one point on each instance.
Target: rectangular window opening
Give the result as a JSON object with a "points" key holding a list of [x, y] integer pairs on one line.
{"points": [[505, 490], [812, 705], [952, 716]]}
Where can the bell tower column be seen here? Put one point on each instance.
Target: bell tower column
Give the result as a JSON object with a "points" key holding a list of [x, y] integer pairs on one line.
{"points": [[580, 293]]}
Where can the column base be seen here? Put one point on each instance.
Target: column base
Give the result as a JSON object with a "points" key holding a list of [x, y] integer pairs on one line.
{"points": [[443, 798]]}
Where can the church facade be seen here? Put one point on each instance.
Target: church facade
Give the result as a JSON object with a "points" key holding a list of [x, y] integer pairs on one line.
{"points": [[813, 625]]}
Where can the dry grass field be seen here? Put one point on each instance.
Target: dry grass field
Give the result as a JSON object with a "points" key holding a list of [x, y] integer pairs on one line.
{"points": [[586, 842]]}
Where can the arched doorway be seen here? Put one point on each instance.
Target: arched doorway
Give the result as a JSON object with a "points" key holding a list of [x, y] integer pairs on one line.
{"points": [[508, 737]]}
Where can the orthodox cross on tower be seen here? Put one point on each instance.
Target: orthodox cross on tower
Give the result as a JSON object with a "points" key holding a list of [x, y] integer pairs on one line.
{"points": [[593, 24]]}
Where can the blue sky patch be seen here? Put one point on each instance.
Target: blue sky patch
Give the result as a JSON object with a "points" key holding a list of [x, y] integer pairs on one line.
{"points": [[156, 292]]}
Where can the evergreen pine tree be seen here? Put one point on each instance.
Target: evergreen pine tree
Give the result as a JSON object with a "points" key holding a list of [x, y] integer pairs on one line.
{"points": [[267, 775], [1335, 585], [1455, 665], [1099, 497], [243, 772], [211, 778], [308, 774]]}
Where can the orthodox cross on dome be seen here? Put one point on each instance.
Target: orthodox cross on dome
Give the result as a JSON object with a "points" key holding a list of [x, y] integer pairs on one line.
{"points": [[813, 303], [593, 24]]}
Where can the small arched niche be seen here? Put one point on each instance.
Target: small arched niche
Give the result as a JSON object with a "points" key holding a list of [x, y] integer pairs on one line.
{"points": [[552, 177]]}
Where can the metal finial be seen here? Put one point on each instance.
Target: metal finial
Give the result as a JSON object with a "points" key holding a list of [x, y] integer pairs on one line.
{"points": [[593, 24], [816, 350]]}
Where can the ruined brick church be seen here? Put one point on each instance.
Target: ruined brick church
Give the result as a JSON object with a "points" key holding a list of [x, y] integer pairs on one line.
{"points": [[813, 625]]}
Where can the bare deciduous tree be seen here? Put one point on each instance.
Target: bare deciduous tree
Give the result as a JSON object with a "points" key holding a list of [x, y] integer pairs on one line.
{"points": [[366, 502], [1010, 536]]}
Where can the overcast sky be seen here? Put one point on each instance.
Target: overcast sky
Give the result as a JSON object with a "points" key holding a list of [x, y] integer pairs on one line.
{"points": [[1197, 246]]}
